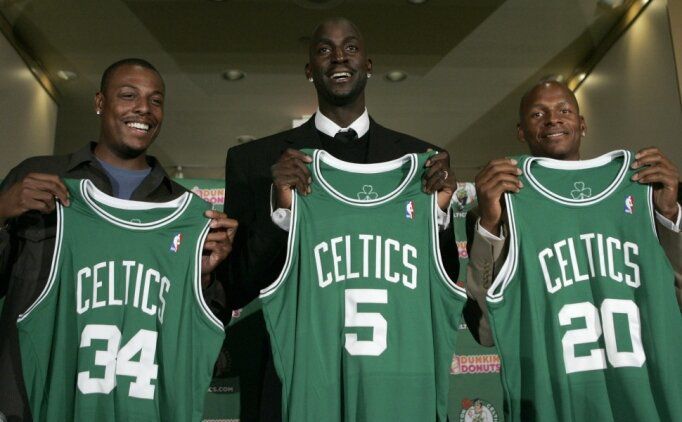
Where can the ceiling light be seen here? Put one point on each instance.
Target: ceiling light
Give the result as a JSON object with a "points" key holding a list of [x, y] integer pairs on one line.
{"points": [[67, 75], [417, 1], [318, 4], [611, 3], [552, 77], [396, 76], [242, 139], [233, 75]]}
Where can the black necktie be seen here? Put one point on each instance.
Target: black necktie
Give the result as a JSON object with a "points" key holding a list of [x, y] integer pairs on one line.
{"points": [[347, 136]]}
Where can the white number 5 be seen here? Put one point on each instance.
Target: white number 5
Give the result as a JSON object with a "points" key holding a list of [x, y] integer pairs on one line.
{"points": [[375, 320]]}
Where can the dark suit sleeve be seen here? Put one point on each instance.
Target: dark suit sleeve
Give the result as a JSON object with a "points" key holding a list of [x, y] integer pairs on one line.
{"points": [[7, 248], [259, 247]]}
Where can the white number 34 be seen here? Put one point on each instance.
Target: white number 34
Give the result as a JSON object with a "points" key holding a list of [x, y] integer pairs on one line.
{"points": [[119, 361]]}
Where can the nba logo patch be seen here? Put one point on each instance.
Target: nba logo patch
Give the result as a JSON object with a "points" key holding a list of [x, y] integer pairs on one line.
{"points": [[177, 239], [409, 210], [629, 204]]}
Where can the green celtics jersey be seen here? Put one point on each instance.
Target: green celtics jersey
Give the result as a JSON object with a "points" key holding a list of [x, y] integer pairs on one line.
{"points": [[583, 311], [363, 317], [121, 331]]}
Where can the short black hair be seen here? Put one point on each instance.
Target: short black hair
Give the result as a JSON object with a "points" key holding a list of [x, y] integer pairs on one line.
{"points": [[131, 61]]}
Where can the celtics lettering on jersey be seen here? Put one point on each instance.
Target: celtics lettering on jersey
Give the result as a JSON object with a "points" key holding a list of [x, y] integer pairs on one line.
{"points": [[607, 257], [144, 290], [375, 257], [96, 287]]}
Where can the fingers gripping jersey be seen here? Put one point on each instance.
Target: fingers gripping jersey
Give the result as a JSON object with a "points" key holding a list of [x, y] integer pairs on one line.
{"points": [[121, 331], [363, 318], [583, 311]]}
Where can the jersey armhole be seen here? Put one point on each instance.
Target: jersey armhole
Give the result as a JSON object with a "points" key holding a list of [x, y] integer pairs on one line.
{"points": [[54, 267], [501, 281], [458, 291], [198, 289], [291, 243], [650, 208]]}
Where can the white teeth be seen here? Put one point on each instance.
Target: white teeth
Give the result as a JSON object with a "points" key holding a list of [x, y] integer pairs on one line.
{"points": [[341, 75], [136, 125], [554, 135]]}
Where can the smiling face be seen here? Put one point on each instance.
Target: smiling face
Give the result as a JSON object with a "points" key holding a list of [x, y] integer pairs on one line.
{"points": [[338, 63], [131, 109], [550, 122]]}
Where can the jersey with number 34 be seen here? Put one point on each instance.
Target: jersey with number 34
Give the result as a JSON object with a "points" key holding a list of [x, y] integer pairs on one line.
{"points": [[121, 331]]}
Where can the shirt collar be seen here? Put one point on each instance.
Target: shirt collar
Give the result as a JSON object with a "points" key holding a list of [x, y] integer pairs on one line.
{"points": [[329, 128], [157, 175], [83, 155]]}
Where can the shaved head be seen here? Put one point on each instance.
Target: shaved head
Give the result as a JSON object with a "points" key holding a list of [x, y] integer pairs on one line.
{"points": [[550, 122], [530, 94], [321, 29]]}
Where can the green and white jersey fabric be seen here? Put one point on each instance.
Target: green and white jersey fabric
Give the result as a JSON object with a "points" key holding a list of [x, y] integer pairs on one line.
{"points": [[363, 317], [121, 331], [583, 311]]}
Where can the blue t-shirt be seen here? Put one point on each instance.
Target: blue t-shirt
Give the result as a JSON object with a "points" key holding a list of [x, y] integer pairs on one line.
{"points": [[124, 181]]}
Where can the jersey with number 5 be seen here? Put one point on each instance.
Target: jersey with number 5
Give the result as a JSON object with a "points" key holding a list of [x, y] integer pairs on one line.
{"points": [[121, 331], [363, 318], [583, 311]]}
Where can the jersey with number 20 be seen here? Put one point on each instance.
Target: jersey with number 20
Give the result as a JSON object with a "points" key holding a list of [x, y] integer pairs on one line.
{"points": [[583, 311]]}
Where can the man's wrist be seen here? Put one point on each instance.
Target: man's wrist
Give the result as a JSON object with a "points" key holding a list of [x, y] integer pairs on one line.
{"points": [[492, 228], [671, 215]]}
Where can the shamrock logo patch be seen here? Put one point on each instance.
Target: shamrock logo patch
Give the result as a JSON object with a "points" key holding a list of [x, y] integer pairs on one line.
{"points": [[367, 193], [580, 191]]}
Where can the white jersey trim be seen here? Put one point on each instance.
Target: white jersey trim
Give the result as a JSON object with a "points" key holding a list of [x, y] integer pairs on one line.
{"points": [[198, 290], [452, 285], [91, 195], [323, 156], [291, 240], [650, 207], [577, 165], [504, 277], [54, 267]]}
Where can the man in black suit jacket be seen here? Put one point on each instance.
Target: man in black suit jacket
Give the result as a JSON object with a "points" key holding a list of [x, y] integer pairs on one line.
{"points": [[261, 175]]}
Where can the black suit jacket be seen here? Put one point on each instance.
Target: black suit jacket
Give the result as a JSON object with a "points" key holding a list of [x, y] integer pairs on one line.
{"points": [[259, 248]]}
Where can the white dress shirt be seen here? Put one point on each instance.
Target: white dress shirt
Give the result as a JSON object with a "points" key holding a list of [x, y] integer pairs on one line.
{"points": [[282, 216]]}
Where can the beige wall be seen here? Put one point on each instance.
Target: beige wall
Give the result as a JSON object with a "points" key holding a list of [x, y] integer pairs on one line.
{"points": [[631, 99], [29, 115]]}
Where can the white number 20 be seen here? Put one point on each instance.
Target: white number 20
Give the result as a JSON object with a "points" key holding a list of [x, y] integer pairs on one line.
{"points": [[593, 330], [119, 361], [375, 320]]}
